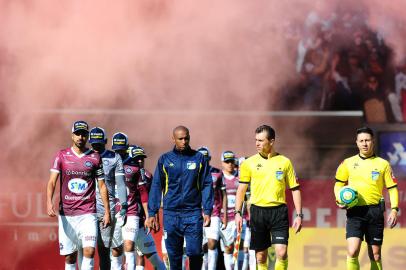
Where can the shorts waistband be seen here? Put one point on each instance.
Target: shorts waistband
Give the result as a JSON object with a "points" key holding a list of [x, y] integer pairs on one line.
{"points": [[269, 207]]}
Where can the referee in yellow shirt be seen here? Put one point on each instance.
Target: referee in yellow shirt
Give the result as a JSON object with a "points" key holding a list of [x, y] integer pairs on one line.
{"points": [[368, 174], [269, 174]]}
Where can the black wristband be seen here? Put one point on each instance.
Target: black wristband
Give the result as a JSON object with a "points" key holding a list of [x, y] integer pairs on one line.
{"points": [[237, 212], [396, 209], [299, 215]]}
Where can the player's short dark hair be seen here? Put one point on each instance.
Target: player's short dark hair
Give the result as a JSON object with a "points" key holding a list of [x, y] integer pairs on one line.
{"points": [[268, 129], [365, 130]]}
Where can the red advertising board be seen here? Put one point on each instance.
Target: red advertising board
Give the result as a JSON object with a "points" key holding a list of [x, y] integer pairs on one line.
{"points": [[30, 237]]}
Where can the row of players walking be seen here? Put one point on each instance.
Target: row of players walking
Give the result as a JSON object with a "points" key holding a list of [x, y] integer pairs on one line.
{"points": [[108, 199], [120, 200]]}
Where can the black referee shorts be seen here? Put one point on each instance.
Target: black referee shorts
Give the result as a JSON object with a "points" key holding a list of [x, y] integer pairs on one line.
{"points": [[269, 225], [366, 221]]}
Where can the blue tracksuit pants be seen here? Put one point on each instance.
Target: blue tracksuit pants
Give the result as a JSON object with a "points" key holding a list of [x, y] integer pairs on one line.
{"points": [[180, 226]]}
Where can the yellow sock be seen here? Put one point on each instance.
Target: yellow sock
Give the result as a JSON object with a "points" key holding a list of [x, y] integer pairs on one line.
{"points": [[281, 264], [376, 265], [262, 266], [352, 263]]}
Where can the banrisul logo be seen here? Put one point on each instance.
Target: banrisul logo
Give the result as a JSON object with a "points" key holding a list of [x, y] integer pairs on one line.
{"points": [[77, 185]]}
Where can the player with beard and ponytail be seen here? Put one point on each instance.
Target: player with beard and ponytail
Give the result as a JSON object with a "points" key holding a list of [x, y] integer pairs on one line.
{"points": [[79, 169]]}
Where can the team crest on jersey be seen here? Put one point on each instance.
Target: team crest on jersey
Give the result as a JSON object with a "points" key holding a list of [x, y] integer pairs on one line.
{"points": [[279, 175], [191, 165], [128, 170], [106, 162], [171, 164], [374, 175], [355, 165], [88, 164], [214, 178]]}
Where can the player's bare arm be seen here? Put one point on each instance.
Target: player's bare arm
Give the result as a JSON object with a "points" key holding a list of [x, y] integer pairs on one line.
{"points": [[53, 178], [394, 200], [225, 205], [242, 188], [105, 197], [297, 201]]}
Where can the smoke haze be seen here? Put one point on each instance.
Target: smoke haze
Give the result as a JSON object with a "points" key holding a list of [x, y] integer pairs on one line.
{"points": [[153, 57]]}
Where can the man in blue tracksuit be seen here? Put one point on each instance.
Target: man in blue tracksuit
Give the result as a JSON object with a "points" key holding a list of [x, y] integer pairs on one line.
{"points": [[182, 176]]}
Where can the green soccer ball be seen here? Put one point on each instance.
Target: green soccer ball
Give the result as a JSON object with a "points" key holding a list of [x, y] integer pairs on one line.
{"points": [[349, 196]]}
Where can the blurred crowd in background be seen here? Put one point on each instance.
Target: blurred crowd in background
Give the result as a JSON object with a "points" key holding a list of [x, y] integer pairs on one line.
{"points": [[341, 63]]}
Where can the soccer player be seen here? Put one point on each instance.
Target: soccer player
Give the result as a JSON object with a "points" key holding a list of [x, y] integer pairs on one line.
{"points": [[183, 177], [269, 174], [109, 237], [144, 244], [211, 234], [231, 182], [77, 168], [134, 185], [368, 174]]}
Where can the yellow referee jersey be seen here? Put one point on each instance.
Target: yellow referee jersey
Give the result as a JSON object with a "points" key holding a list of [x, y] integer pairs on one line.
{"points": [[368, 176], [269, 179]]}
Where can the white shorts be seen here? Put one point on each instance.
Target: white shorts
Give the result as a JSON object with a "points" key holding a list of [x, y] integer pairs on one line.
{"points": [[110, 236], [229, 234], [163, 246], [145, 243], [130, 229], [212, 232], [76, 232], [247, 237]]}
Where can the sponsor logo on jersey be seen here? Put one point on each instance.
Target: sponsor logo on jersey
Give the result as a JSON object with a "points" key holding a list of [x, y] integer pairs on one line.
{"points": [[88, 164], [77, 185], [79, 173], [279, 175], [191, 165], [60, 246], [374, 175]]}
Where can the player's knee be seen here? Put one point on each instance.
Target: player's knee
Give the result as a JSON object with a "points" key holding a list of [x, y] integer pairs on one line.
{"points": [[374, 256], [261, 257], [88, 252], [128, 246], [211, 244], [228, 249], [117, 251], [352, 252], [71, 258], [281, 252]]}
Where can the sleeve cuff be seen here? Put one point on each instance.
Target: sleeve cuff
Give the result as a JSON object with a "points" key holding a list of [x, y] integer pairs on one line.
{"points": [[54, 170], [207, 212], [295, 187], [342, 181], [152, 213]]}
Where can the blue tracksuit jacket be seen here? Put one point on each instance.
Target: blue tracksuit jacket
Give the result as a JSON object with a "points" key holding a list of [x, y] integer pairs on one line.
{"points": [[185, 182]]}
